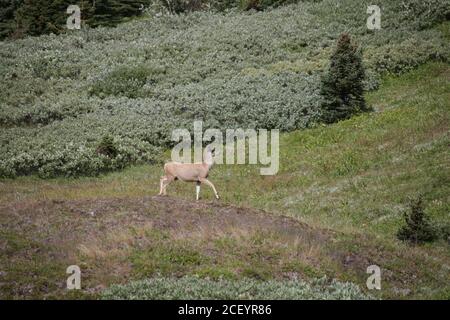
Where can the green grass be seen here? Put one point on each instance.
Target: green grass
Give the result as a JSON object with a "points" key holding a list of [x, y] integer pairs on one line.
{"points": [[59, 96], [29, 270], [229, 254], [363, 169]]}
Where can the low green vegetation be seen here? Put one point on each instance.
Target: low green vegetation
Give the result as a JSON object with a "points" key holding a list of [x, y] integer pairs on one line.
{"points": [[77, 106], [350, 182], [231, 254], [20, 18], [60, 95], [197, 288]]}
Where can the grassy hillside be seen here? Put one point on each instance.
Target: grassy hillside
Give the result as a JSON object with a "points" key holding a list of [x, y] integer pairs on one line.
{"points": [[61, 95], [334, 209]]}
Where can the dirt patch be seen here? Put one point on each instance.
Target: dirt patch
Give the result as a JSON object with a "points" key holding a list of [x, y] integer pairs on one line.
{"points": [[79, 218], [54, 234], [115, 240]]}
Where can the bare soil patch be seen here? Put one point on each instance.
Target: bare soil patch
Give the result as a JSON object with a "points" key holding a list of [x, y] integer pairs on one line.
{"points": [[116, 240]]}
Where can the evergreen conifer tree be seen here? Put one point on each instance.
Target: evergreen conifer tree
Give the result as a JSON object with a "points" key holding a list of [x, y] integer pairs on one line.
{"points": [[342, 86], [35, 17]]}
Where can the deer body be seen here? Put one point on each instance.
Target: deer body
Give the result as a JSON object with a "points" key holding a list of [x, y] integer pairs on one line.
{"points": [[189, 172]]}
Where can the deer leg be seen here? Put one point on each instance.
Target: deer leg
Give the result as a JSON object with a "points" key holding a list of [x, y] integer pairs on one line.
{"points": [[161, 185], [166, 182], [197, 190], [209, 183]]}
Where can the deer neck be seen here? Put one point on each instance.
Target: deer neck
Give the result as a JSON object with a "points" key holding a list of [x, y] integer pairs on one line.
{"points": [[209, 160]]}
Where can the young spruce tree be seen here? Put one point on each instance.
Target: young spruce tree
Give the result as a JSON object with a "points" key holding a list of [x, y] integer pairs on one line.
{"points": [[19, 18], [342, 86], [418, 228]]}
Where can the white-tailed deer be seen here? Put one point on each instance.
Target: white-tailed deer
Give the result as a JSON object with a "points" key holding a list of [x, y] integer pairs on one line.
{"points": [[190, 172]]}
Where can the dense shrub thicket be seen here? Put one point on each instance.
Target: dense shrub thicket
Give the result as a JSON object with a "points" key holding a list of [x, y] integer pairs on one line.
{"points": [[61, 95], [19, 18], [31, 18], [190, 287]]}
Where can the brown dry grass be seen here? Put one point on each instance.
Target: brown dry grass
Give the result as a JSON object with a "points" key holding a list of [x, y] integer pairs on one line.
{"points": [[119, 239]]}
